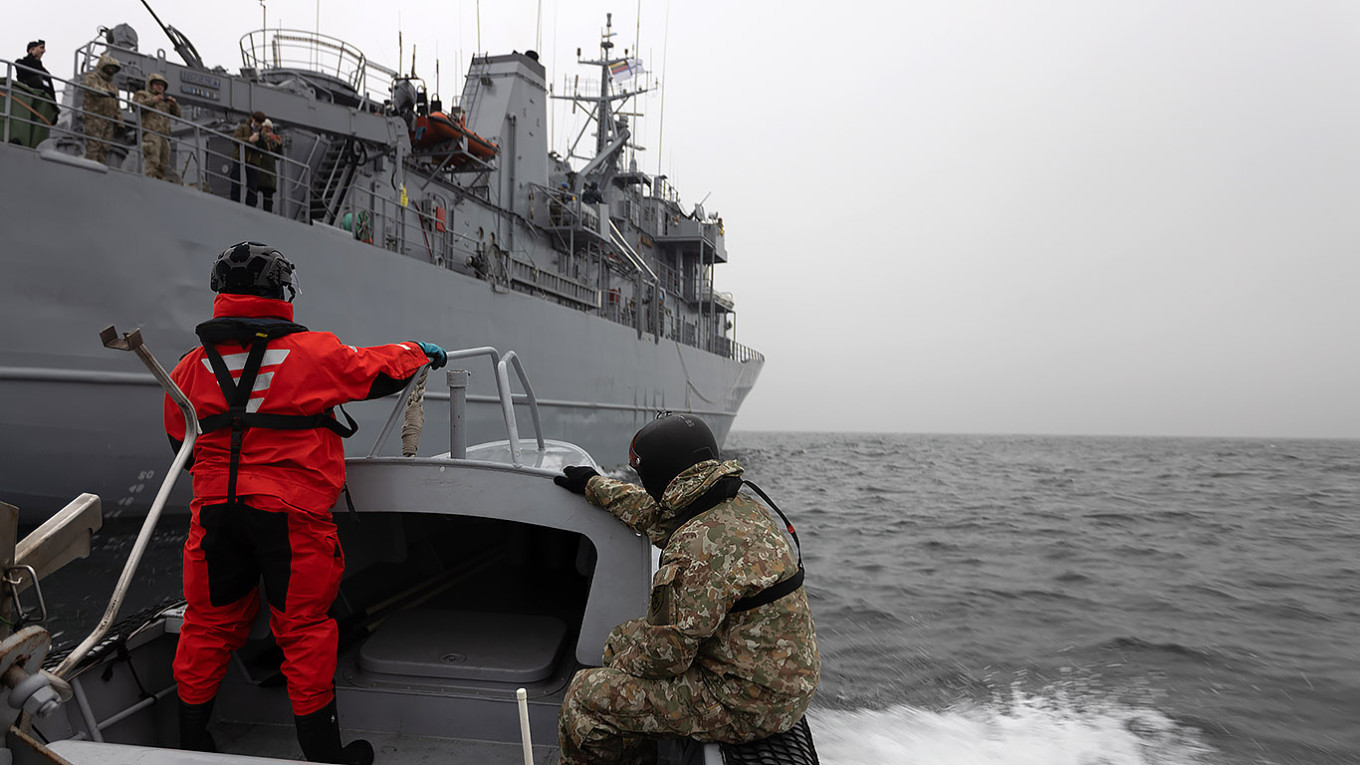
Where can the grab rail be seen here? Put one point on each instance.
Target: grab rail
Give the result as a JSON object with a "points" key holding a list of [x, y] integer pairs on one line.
{"points": [[133, 342], [504, 395]]}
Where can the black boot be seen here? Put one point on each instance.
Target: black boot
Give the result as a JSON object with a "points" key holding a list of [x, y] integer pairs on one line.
{"points": [[193, 727], [319, 735]]}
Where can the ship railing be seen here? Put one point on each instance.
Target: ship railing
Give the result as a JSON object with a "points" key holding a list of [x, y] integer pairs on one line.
{"points": [[745, 353], [227, 166], [28, 115], [216, 158], [670, 279], [300, 50], [408, 229], [663, 190]]}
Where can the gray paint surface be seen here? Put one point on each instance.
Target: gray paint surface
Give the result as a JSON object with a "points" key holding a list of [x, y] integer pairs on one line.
{"points": [[136, 253]]}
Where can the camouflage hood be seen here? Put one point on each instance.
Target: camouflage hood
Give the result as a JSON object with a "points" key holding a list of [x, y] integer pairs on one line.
{"points": [[107, 60], [690, 485]]}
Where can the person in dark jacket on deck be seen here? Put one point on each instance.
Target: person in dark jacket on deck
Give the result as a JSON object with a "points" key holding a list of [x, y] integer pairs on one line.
{"points": [[33, 74], [727, 651], [269, 170], [267, 470], [256, 140]]}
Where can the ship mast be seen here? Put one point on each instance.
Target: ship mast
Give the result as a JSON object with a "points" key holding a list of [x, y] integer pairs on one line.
{"points": [[605, 113], [611, 133]]}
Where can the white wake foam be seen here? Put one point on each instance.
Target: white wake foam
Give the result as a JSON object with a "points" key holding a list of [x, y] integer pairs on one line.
{"points": [[1025, 730]]}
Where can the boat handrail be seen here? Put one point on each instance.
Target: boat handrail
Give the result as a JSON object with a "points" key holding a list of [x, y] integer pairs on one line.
{"points": [[132, 341], [507, 401], [501, 364]]}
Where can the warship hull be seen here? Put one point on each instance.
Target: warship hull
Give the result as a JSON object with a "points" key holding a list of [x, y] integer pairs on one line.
{"points": [[85, 247]]}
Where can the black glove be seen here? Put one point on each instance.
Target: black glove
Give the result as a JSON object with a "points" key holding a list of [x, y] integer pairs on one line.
{"points": [[575, 477]]}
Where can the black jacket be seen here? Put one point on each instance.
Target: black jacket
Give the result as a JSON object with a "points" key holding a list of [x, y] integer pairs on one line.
{"points": [[33, 74]]}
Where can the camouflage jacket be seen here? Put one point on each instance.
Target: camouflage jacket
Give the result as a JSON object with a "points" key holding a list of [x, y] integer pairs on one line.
{"points": [[753, 661], [155, 114], [100, 94]]}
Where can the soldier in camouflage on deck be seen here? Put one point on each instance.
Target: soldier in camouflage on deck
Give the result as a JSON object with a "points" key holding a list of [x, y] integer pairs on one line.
{"points": [[157, 107], [99, 100], [714, 659]]}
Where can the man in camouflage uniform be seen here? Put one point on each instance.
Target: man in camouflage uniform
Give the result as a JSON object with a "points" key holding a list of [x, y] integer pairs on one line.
{"points": [[710, 660], [99, 100], [157, 107]]}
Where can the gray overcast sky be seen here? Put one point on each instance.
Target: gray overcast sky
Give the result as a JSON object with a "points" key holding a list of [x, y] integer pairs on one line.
{"points": [[1031, 216]]}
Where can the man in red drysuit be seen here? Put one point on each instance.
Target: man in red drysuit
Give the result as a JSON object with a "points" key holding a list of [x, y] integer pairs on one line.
{"points": [[267, 469]]}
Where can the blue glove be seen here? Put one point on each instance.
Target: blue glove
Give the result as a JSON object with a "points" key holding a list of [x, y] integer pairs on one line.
{"points": [[438, 357]]}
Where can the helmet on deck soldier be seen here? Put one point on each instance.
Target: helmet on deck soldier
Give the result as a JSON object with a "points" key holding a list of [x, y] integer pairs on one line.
{"points": [[667, 446], [253, 268]]}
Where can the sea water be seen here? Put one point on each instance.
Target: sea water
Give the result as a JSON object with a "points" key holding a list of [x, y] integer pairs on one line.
{"points": [[1082, 601], [1018, 600]]}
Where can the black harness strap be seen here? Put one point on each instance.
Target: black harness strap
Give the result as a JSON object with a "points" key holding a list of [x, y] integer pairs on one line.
{"points": [[284, 422], [237, 395], [781, 588]]}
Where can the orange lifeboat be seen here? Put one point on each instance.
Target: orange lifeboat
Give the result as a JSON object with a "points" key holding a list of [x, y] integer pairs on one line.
{"points": [[438, 128]]}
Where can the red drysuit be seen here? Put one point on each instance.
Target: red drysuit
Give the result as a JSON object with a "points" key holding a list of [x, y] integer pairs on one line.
{"points": [[275, 522]]}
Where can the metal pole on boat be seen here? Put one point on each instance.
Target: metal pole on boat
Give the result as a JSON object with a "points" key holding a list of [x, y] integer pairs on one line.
{"points": [[133, 342], [522, 697], [458, 382]]}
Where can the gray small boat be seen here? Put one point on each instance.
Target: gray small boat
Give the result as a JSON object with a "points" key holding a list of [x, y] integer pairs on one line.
{"points": [[474, 589]]}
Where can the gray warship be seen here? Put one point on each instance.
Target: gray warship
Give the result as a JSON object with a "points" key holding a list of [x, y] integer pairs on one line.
{"points": [[407, 219]]}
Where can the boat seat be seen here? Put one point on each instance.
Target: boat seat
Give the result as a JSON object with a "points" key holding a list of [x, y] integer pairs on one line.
{"points": [[465, 645]]}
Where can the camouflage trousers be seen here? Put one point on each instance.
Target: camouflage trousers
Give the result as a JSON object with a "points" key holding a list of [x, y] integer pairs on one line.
{"points": [[98, 132], [609, 717], [155, 154]]}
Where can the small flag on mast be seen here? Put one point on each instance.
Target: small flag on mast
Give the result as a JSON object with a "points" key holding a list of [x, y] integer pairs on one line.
{"points": [[625, 68]]}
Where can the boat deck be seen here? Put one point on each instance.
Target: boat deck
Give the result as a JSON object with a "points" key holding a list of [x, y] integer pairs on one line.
{"points": [[272, 743]]}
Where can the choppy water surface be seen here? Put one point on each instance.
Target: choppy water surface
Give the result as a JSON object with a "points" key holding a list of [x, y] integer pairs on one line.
{"points": [[1012, 599], [1054, 601]]}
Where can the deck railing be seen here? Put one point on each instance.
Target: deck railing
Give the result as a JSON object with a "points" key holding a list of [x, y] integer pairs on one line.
{"points": [[196, 161], [299, 50]]}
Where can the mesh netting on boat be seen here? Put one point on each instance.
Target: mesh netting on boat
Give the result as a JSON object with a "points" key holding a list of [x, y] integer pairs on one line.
{"points": [[793, 747], [117, 635]]}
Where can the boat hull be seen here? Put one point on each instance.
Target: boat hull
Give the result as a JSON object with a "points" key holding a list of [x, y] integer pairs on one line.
{"points": [[77, 417]]}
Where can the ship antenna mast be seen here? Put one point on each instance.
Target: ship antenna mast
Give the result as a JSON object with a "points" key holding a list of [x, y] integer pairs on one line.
{"points": [[661, 120], [605, 125], [611, 136], [538, 36]]}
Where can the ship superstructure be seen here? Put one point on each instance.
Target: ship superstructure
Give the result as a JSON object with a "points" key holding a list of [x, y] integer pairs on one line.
{"points": [[407, 220]]}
